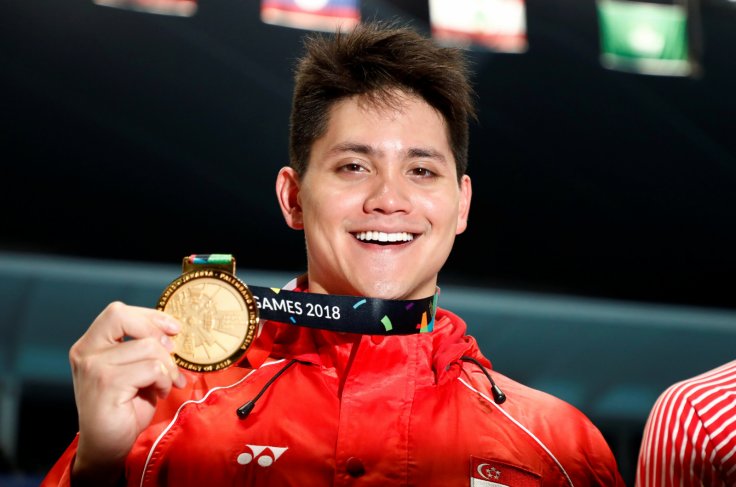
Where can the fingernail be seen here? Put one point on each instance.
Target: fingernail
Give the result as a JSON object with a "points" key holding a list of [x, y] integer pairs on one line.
{"points": [[175, 375], [167, 343], [168, 323], [163, 368], [180, 380]]}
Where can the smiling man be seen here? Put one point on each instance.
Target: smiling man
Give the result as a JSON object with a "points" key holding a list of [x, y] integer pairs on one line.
{"points": [[381, 200], [378, 184]]}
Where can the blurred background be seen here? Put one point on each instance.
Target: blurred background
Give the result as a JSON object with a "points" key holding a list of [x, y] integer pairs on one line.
{"points": [[598, 264]]}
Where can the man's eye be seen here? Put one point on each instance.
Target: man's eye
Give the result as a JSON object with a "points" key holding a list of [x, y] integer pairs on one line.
{"points": [[352, 167], [422, 172]]}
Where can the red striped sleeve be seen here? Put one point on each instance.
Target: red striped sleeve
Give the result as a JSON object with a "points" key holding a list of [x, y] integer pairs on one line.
{"points": [[690, 435]]}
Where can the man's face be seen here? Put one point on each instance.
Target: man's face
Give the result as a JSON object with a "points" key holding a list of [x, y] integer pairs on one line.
{"points": [[380, 202]]}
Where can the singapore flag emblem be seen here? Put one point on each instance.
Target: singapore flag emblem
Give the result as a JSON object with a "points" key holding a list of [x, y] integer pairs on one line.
{"points": [[490, 473]]}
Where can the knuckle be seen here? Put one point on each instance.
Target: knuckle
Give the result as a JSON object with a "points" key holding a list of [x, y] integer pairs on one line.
{"points": [[79, 359], [114, 309], [149, 346], [84, 365], [74, 354], [160, 369]]}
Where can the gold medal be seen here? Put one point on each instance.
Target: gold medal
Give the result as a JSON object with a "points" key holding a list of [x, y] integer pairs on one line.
{"points": [[218, 314]]}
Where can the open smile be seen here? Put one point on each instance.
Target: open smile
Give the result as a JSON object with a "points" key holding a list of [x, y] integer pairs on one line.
{"points": [[384, 237]]}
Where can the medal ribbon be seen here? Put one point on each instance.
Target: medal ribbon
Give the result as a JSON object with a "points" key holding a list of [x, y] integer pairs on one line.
{"points": [[352, 314]]}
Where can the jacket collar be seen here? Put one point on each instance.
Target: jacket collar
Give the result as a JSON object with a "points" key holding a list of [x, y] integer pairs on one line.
{"points": [[436, 354]]}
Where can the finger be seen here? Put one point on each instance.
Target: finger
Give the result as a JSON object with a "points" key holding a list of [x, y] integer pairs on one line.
{"points": [[119, 320], [114, 386], [144, 349], [139, 376], [135, 350]]}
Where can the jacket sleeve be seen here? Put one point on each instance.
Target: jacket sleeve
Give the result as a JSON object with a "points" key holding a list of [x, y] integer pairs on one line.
{"points": [[573, 445], [601, 468], [60, 473], [197, 386], [583, 450]]}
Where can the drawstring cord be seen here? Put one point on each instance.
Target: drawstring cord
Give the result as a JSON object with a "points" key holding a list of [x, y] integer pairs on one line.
{"points": [[498, 396], [244, 410]]}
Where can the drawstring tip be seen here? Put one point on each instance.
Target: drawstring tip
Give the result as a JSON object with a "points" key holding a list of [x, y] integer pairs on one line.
{"points": [[498, 396], [245, 409]]}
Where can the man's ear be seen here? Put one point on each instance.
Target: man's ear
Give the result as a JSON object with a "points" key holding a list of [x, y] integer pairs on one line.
{"points": [[466, 194], [287, 192]]}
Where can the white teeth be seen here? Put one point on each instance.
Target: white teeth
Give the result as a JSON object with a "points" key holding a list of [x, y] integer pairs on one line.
{"points": [[384, 237]]}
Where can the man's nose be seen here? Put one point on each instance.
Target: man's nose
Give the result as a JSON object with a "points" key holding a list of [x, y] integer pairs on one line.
{"points": [[389, 193]]}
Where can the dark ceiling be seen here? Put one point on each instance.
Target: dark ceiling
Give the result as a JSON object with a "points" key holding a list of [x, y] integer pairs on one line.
{"points": [[145, 137]]}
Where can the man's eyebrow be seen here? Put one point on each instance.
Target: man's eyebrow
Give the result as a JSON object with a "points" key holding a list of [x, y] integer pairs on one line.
{"points": [[353, 147], [411, 153], [426, 153]]}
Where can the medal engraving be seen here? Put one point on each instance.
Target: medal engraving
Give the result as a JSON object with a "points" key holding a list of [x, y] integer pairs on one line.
{"points": [[218, 315]]}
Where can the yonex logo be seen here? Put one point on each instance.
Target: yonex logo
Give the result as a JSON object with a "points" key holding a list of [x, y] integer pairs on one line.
{"points": [[264, 456]]}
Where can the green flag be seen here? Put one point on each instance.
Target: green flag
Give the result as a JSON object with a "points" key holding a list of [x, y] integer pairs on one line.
{"points": [[648, 38]]}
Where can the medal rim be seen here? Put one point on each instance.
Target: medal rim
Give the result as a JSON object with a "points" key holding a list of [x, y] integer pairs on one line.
{"points": [[248, 300]]}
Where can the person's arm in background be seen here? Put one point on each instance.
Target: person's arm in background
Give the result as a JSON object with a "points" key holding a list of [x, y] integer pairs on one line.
{"points": [[690, 435]]}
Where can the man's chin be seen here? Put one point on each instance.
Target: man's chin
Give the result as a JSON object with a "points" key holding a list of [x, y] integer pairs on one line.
{"points": [[388, 289]]}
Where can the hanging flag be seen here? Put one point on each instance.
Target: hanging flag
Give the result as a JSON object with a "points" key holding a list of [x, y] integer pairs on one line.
{"points": [[179, 8], [322, 15], [497, 25], [646, 38]]}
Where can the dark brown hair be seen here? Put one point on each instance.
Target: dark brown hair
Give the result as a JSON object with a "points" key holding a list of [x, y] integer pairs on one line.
{"points": [[374, 60]]}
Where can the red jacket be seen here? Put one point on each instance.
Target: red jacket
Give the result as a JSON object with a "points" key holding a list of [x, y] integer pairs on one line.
{"points": [[365, 410]]}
